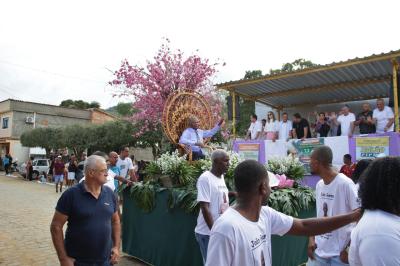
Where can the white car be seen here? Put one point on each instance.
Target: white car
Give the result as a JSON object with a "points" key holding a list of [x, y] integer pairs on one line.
{"points": [[39, 166]]}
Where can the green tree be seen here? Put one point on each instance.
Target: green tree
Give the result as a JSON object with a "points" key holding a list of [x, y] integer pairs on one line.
{"points": [[94, 104], [246, 107], [250, 74], [154, 139], [293, 66], [79, 104], [78, 137], [111, 136], [47, 138], [124, 109]]}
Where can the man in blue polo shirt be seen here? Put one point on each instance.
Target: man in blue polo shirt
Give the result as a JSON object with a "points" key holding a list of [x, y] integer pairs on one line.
{"points": [[93, 233]]}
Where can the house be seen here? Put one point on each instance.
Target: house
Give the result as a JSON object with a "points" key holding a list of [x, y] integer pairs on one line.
{"points": [[17, 117]]}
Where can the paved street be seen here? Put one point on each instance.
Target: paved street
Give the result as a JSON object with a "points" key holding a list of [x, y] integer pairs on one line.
{"points": [[26, 211]]}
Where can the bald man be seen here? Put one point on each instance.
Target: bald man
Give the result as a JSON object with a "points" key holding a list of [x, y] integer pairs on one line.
{"points": [[193, 136], [383, 117], [213, 198]]}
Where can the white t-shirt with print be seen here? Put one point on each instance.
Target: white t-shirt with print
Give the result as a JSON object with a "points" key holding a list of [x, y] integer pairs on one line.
{"points": [[376, 240], [345, 123], [284, 129], [125, 165], [271, 126], [254, 128], [213, 190], [237, 241], [338, 197], [382, 118], [110, 180]]}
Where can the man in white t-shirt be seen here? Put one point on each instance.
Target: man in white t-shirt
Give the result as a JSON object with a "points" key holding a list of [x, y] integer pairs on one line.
{"points": [[336, 194], [112, 177], [125, 164], [212, 195], [285, 128], [242, 235], [383, 117], [376, 238], [254, 131], [346, 121]]}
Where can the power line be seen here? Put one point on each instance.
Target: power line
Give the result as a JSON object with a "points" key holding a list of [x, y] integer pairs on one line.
{"points": [[50, 73], [7, 91]]}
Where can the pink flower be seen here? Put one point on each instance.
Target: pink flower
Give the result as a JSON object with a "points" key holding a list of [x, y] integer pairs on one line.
{"points": [[284, 182], [169, 71]]}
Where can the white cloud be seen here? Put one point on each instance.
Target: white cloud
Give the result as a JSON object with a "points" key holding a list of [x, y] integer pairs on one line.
{"points": [[80, 39]]}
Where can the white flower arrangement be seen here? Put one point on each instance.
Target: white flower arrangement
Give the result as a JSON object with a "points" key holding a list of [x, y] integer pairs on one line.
{"points": [[168, 163], [289, 166], [234, 160]]}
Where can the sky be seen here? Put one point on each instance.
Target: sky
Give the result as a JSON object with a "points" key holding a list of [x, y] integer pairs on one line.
{"points": [[56, 50]]}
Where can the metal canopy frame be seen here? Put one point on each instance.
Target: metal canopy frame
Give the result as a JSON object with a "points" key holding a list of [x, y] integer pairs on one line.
{"points": [[352, 80]]}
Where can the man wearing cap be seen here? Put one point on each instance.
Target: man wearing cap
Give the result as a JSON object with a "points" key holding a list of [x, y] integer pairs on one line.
{"points": [[58, 171]]}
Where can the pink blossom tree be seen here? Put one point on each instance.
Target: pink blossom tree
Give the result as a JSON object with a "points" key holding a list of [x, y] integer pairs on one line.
{"points": [[151, 85]]}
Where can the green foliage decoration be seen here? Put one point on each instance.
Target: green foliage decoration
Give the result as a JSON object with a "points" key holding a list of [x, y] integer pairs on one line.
{"points": [[291, 200]]}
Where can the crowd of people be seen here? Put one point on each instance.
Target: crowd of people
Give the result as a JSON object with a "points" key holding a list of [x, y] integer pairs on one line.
{"points": [[352, 213], [358, 219], [69, 170], [325, 124]]}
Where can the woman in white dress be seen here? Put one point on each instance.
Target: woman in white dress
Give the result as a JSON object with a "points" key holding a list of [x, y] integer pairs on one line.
{"points": [[271, 127]]}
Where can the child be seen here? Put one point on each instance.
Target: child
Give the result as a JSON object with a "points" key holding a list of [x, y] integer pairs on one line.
{"points": [[43, 178]]}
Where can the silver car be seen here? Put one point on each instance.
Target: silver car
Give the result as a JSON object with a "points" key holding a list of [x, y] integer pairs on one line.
{"points": [[39, 166]]}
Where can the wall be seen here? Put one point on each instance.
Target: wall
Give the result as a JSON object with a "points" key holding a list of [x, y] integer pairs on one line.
{"points": [[53, 110], [4, 106], [18, 152], [99, 117], [262, 110], [142, 154], [42, 120]]}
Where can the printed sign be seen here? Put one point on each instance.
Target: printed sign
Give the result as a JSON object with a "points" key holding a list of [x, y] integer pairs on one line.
{"points": [[249, 151], [369, 148], [304, 148]]}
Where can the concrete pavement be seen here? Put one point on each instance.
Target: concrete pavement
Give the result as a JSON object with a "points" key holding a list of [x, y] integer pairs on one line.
{"points": [[26, 210]]}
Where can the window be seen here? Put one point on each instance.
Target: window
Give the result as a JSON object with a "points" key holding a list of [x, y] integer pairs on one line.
{"points": [[5, 122], [42, 163]]}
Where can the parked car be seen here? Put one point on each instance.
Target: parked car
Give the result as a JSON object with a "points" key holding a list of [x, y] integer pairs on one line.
{"points": [[38, 165]]}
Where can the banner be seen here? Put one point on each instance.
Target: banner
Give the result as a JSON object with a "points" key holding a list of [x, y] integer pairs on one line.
{"points": [[369, 148], [249, 151], [304, 148]]}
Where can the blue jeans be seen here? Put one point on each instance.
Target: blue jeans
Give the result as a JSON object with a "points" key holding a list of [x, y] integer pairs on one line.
{"points": [[79, 263], [203, 243], [333, 261], [197, 155]]}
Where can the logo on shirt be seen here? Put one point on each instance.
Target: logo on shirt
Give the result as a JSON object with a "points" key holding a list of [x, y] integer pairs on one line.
{"points": [[107, 204], [327, 196], [258, 241]]}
